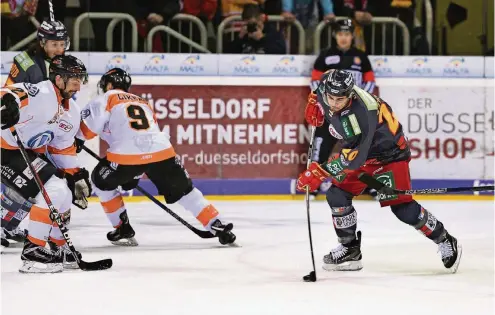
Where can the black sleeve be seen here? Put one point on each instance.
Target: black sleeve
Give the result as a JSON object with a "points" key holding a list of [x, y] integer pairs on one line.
{"points": [[275, 44], [366, 63], [320, 61], [234, 47]]}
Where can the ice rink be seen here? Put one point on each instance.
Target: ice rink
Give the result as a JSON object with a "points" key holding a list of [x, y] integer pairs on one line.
{"points": [[175, 272]]}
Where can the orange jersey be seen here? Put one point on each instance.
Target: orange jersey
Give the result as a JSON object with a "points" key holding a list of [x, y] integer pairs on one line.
{"points": [[127, 123], [46, 123]]}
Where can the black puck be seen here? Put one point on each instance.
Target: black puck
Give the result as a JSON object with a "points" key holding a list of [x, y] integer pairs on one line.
{"points": [[311, 277]]}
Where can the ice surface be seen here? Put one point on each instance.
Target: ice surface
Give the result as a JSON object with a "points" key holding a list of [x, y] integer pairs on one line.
{"points": [[175, 272]]}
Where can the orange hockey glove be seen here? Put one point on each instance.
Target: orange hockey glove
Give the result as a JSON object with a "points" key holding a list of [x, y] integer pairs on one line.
{"points": [[311, 178], [313, 113]]}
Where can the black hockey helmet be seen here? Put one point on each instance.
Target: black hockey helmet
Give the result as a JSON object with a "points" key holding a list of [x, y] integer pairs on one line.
{"points": [[344, 26], [67, 66], [119, 78], [54, 30], [339, 83]]}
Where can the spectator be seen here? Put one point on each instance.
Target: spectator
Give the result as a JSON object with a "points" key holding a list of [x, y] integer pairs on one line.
{"points": [[15, 20], [147, 13], [205, 10], [303, 11], [255, 37]]}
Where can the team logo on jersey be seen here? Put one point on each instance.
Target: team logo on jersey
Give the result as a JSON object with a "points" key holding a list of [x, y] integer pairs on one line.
{"points": [[41, 139], [85, 113], [65, 125], [330, 60], [32, 89], [334, 132]]}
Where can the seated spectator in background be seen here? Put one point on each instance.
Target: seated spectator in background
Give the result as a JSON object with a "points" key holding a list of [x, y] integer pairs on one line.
{"points": [[255, 37], [236, 7], [303, 11], [205, 10]]}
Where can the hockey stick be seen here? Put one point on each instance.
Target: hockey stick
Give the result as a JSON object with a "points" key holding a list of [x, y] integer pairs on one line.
{"points": [[198, 232], [311, 277], [384, 189], [50, 8], [55, 216]]}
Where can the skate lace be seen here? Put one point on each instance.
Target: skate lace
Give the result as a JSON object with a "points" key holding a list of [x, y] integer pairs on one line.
{"points": [[445, 249], [338, 252]]}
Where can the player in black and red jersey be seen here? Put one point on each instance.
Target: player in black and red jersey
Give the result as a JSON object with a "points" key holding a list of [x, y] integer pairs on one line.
{"points": [[343, 56], [373, 143]]}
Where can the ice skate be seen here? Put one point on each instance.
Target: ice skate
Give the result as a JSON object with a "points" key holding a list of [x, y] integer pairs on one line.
{"points": [[38, 259], [224, 232], [346, 257], [451, 253], [69, 262], [124, 234]]}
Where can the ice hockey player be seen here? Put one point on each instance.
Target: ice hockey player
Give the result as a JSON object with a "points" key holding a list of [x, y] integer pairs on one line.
{"points": [[374, 143], [46, 119], [137, 146], [343, 56], [30, 66]]}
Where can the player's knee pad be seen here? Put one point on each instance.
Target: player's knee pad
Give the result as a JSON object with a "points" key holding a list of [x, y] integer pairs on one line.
{"points": [[171, 179], [407, 212], [102, 178], [59, 193], [337, 197]]}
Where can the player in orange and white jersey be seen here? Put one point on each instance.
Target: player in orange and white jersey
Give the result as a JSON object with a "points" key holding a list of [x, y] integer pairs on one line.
{"points": [[46, 120], [137, 146]]}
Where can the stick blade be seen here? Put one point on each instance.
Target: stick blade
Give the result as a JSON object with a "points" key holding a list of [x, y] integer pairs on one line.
{"points": [[96, 265]]}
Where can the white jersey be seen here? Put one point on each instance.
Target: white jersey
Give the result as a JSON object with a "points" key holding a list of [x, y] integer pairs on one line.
{"points": [[47, 123], [128, 124]]}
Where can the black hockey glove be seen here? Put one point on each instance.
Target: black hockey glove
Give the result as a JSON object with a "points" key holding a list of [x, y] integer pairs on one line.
{"points": [[80, 186], [10, 111], [131, 184], [79, 144]]}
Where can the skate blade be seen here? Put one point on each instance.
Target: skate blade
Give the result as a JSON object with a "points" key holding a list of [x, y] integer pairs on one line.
{"points": [[346, 266], [37, 267], [125, 242], [71, 265], [234, 245], [454, 267]]}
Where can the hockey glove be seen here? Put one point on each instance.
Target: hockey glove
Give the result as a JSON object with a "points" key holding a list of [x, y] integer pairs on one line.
{"points": [[80, 186], [10, 111], [313, 113], [130, 185], [311, 178], [79, 144]]}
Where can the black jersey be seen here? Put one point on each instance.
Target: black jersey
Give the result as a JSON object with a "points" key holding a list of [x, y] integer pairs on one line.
{"points": [[28, 68], [353, 60], [369, 129]]}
